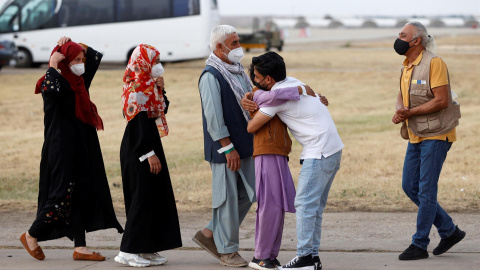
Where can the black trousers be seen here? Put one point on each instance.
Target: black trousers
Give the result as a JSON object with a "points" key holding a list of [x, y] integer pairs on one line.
{"points": [[43, 223]]}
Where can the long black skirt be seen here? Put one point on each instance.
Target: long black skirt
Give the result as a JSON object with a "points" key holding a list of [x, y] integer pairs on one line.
{"points": [[74, 196], [152, 220]]}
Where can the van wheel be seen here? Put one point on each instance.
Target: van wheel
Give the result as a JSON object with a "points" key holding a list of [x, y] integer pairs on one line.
{"points": [[268, 46], [24, 59]]}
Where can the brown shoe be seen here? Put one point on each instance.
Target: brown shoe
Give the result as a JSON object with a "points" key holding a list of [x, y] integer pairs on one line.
{"points": [[96, 256], [233, 260], [36, 253], [206, 243]]}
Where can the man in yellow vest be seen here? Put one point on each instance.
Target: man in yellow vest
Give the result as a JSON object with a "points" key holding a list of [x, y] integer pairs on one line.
{"points": [[426, 107]]}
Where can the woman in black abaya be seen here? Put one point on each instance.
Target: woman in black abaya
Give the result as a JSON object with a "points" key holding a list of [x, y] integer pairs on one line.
{"points": [[74, 196], [152, 220]]}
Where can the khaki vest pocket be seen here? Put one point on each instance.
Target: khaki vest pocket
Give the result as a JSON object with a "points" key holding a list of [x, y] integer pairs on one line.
{"points": [[418, 97], [428, 124]]}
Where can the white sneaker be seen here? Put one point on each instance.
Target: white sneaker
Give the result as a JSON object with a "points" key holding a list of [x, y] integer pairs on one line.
{"points": [[154, 258], [134, 260]]}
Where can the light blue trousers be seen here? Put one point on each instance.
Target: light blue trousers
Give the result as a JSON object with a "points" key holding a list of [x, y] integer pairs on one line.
{"points": [[232, 195], [314, 182]]}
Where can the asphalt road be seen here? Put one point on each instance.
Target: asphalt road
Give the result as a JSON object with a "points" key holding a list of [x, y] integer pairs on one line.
{"points": [[350, 240]]}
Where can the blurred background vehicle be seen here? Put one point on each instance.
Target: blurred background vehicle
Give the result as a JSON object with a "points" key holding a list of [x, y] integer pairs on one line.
{"points": [[266, 37], [7, 52], [179, 29]]}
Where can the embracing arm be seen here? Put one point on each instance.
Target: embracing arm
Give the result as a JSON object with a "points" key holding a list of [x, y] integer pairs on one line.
{"points": [[277, 97], [250, 102], [257, 122]]}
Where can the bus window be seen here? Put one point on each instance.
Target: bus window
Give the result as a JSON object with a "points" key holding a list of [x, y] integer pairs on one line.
{"points": [[185, 8], [86, 12], [36, 13], [9, 19], [135, 10]]}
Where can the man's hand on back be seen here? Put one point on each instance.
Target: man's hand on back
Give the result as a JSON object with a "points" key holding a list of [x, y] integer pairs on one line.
{"points": [[247, 103]]}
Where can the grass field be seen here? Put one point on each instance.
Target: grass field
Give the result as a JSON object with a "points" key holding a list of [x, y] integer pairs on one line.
{"points": [[360, 81]]}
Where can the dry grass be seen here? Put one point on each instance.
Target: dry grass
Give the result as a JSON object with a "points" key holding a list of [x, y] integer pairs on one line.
{"points": [[361, 82]]}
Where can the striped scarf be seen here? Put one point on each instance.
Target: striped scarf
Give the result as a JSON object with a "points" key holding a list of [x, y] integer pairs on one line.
{"points": [[227, 72]]}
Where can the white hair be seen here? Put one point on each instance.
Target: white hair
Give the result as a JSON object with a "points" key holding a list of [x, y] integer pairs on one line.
{"points": [[420, 31], [219, 34]]}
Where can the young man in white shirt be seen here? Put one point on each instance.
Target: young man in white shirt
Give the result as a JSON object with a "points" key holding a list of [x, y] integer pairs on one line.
{"points": [[312, 126]]}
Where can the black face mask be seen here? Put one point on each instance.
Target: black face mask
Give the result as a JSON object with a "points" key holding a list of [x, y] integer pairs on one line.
{"points": [[401, 46], [259, 84]]}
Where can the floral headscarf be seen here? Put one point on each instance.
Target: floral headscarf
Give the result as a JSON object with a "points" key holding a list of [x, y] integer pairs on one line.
{"points": [[140, 93]]}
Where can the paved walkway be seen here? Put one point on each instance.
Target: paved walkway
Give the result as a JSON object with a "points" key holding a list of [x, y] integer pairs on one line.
{"points": [[350, 240]]}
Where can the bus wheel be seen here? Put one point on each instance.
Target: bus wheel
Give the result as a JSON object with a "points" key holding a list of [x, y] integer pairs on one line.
{"points": [[24, 59]]}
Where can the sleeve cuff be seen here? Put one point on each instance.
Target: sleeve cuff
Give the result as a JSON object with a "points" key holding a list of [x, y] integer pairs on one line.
{"points": [[53, 72], [269, 114], [147, 155], [219, 134], [438, 84]]}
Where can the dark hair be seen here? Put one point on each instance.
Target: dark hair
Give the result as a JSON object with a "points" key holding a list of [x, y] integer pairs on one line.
{"points": [[269, 64]]}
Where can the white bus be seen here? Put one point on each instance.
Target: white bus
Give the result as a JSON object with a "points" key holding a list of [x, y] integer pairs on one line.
{"points": [[179, 29]]}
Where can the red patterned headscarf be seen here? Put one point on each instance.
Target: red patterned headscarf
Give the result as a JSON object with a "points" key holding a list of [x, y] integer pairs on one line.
{"points": [[85, 110], [140, 93]]}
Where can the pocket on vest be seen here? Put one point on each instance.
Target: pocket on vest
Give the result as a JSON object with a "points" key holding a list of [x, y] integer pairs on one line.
{"points": [[429, 124], [419, 96]]}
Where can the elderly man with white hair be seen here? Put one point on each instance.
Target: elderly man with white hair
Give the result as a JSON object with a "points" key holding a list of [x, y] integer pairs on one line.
{"points": [[228, 146], [430, 117]]}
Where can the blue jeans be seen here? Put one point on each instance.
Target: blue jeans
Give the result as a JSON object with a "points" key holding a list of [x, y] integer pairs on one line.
{"points": [[314, 182], [421, 171]]}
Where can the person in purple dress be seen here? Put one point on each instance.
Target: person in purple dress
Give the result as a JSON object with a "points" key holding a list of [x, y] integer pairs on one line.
{"points": [[273, 181]]}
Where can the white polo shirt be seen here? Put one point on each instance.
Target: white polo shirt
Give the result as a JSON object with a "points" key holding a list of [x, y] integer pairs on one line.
{"points": [[309, 121]]}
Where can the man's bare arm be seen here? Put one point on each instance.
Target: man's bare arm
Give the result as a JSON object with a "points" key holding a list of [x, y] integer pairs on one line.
{"points": [[257, 122]]}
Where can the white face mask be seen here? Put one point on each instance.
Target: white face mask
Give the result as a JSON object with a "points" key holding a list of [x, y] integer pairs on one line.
{"points": [[157, 70], [235, 55], [78, 69]]}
